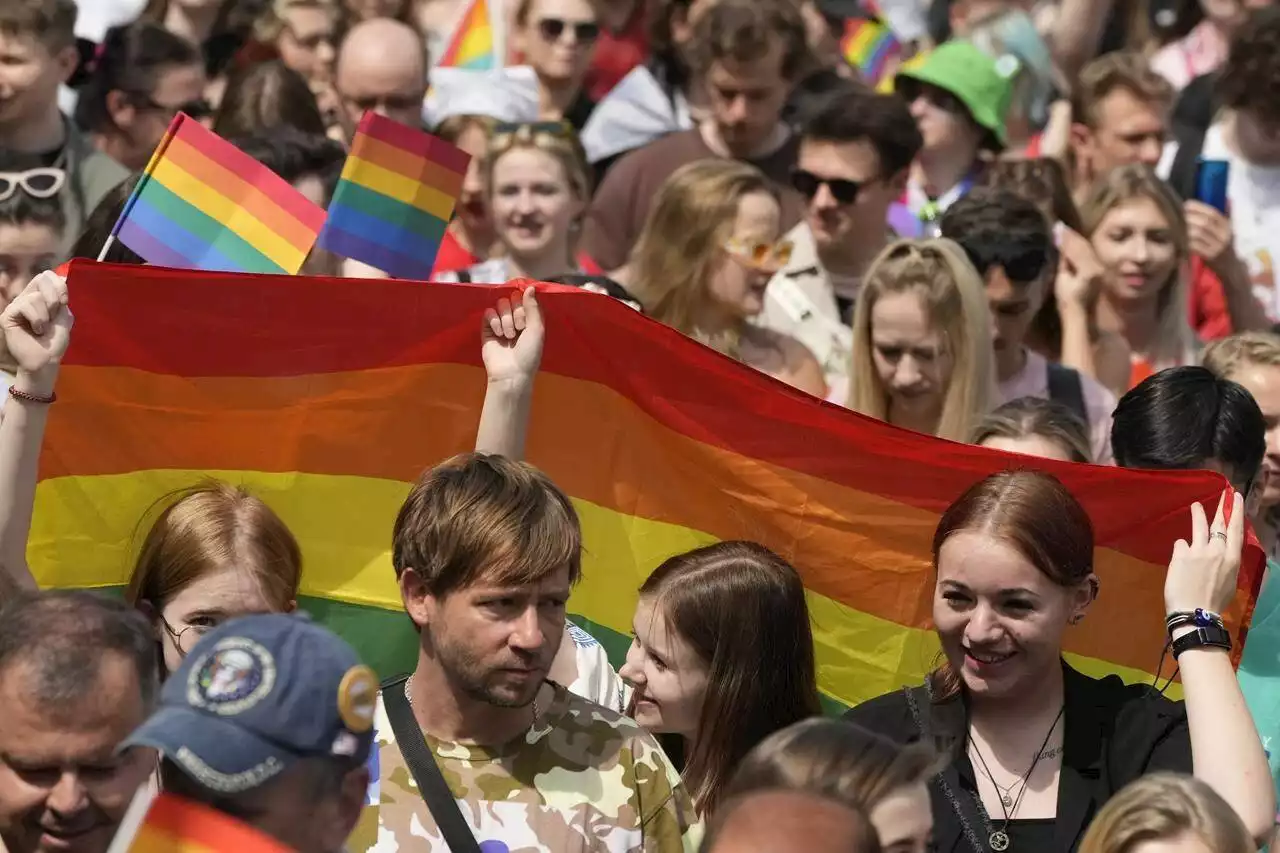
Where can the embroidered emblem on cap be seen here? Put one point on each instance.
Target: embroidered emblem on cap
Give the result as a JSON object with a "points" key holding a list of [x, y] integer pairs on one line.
{"points": [[357, 698], [232, 677]]}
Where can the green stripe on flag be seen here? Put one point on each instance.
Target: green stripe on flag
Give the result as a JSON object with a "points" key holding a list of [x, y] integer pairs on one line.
{"points": [[389, 210], [205, 227]]}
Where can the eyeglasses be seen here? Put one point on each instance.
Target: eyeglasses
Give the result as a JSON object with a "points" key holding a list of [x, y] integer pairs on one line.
{"points": [[37, 183], [808, 184], [910, 89], [185, 640], [197, 109], [759, 255], [311, 41], [584, 32]]}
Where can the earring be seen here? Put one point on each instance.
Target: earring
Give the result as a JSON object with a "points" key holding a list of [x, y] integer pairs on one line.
{"points": [[1075, 620]]}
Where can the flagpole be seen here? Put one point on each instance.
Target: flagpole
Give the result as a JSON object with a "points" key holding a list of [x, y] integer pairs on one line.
{"points": [[142, 181]]}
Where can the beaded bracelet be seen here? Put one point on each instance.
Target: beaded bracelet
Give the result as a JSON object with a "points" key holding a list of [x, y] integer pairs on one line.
{"points": [[1199, 617], [28, 397]]}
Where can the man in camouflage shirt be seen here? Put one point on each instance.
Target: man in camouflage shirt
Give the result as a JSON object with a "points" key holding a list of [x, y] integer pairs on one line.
{"points": [[486, 550]]}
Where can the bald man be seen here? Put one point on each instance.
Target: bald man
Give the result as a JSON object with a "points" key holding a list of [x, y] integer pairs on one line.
{"points": [[789, 822], [382, 66]]}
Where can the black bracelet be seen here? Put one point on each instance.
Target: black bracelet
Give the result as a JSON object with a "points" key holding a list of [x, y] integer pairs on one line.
{"points": [[1213, 636]]}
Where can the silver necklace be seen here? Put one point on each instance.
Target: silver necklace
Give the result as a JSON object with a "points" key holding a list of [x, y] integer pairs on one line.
{"points": [[999, 838], [408, 695]]}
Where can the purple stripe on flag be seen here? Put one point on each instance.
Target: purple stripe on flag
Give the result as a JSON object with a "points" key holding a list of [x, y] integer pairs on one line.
{"points": [[393, 263]]}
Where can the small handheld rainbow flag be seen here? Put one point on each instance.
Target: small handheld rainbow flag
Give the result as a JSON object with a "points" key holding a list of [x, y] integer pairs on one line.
{"points": [[472, 45], [395, 198], [204, 204], [175, 825], [869, 46]]}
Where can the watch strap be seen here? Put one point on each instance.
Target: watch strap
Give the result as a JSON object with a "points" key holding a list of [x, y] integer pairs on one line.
{"points": [[1201, 636]]}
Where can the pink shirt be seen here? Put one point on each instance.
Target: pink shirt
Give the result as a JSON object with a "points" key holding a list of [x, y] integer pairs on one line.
{"points": [[1198, 52], [1033, 381]]}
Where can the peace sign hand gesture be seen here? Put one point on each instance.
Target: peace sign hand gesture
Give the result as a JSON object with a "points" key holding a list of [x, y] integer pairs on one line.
{"points": [[1203, 574]]}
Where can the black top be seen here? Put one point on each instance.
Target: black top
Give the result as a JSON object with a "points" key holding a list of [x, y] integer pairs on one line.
{"points": [[1114, 733]]}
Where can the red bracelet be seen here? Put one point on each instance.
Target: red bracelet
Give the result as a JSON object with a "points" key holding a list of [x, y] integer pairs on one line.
{"points": [[32, 398]]}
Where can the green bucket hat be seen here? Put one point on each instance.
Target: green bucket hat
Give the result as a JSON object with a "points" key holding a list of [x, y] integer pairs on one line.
{"points": [[984, 85]]}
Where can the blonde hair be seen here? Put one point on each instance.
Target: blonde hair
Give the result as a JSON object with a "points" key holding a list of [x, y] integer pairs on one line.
{"points": [[1162, 806], [835, 759], [1227, 356], [953, 294], [1175, 341], [676, 255], [208, 528], [561, 144], [450, 129], [270, 23]]}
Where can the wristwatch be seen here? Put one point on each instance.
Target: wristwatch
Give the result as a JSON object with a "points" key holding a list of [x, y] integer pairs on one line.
{"points": [[1215, 636]]}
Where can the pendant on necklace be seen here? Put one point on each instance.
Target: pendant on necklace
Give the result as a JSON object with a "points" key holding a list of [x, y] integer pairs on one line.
{"points": [[1007, 799], [999, 841]]}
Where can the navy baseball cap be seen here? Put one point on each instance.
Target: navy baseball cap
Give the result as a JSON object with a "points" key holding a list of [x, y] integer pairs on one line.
{"points": [[255, 695]]}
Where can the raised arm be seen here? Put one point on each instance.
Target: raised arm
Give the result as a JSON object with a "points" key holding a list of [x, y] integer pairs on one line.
{"points": [[37, 329], [1226, 751], [511, 338]]}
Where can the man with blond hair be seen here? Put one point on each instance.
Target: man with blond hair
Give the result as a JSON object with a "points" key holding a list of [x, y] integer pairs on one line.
{"points": [[1120, 113], [486, 550]]}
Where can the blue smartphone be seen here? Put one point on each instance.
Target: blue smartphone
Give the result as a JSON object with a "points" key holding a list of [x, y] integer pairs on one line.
{"points": [[1211, 183]]}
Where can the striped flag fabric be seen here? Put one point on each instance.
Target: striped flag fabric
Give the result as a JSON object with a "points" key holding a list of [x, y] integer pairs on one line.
{"points": [[395, 198], [662, 444], [870, 47], [176, 825], [204, 204], [472, 46]]}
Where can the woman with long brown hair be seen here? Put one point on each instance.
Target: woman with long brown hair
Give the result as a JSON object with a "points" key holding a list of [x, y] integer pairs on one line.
{"points": [[722, 657], [1034, 746], [710, 245]]}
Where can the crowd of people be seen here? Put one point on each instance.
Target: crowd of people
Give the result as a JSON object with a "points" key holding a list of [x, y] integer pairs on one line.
{"points": [[1007, 234]]}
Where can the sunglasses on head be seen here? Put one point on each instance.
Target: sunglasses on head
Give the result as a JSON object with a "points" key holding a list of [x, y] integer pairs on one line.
{"points": [[761, 255], [808, 184], [552, 29], [561, 129], [37, 183]]}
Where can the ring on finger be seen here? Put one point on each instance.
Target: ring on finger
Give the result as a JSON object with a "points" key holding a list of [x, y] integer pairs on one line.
{"points": [[1218, 534]]}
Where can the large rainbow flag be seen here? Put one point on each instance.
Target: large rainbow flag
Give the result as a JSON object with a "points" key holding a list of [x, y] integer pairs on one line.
{"points": [[328, 397]]}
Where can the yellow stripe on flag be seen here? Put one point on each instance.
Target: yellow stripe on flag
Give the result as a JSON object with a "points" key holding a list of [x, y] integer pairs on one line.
{"points": [[229, 213], [397, 186]]}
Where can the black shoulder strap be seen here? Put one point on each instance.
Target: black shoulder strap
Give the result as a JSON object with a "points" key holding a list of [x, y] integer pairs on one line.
{"points": [[968, 811], [1066, 387], [431, 784]]}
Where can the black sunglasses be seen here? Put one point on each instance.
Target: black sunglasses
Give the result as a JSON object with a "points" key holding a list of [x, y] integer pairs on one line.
{"points": [[1023, 265], [909, 89], [584, 32], [560, 129], [808, 184]]}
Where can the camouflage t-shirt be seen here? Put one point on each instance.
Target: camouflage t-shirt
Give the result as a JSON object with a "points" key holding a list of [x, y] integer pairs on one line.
{"points": [[582, 778]]}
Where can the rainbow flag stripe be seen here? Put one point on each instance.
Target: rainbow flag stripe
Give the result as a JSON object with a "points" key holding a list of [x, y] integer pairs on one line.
{"points": [[472, 45], [204, 204], [662, 443], [869, 46], [175, 825], [395, 198]]}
